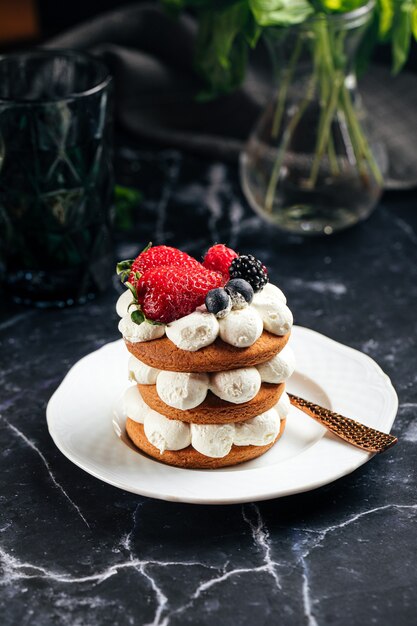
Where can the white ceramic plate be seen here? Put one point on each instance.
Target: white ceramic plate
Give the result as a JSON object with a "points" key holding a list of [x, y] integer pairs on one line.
{"points": [[84, 416]]}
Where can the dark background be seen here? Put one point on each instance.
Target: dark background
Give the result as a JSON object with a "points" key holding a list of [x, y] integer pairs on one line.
{"points": [[49, 17]]}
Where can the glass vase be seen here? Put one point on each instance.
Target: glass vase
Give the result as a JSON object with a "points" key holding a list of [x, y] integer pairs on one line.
{"points": [[313, 163]]}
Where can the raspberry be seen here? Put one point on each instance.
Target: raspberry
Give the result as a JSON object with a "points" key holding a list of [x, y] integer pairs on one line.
{"points": [[251, 270], [160, 255], [167, 293], [219, 258]]}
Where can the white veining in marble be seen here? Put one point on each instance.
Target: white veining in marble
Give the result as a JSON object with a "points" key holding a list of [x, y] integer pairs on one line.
{"points": [[333, 287], [15, 319], [35, 448], [304, 551], [405, 227], [260, 535]]}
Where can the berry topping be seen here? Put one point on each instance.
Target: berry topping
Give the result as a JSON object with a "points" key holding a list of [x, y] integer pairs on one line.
{"points": [[251, 270], [167, 293], [218, 258], [240, 292], [218, 302], [157, 256]]}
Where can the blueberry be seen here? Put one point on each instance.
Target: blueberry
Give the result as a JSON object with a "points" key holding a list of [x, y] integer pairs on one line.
{"points": [[218, 302], [240, 291]]}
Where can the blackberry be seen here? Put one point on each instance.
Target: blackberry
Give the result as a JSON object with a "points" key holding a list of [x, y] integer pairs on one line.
{"points": [[251, 270], [240, 291], [218, 302]]}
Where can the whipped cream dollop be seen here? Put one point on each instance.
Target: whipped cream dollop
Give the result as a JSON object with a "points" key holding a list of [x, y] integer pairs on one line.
{"points": [[194, 331], [279, 368], [237, 386], [166, 434], [140, 332], [140, 372], [182, 390], [241, 328], [271, 305], [283, 406], [258, 431], [268, 293], [122, 304], [214, 440], [133, 405]]}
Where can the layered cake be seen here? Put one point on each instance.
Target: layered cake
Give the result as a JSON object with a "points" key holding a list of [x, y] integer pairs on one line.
{"points": [[208, 356]]}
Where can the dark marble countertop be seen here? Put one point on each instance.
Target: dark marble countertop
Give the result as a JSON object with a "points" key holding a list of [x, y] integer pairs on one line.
{"points": [[75, 551]]}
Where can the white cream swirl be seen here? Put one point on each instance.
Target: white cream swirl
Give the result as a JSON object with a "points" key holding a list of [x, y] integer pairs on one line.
{"points": [[241, 328], [166, 434], [182, 390], [236, 386], [279, 368], [276, 316], [135, 333], [140, 372], [133, 405], [258, 431], [122, 304], [194, 331], [214, 440]]}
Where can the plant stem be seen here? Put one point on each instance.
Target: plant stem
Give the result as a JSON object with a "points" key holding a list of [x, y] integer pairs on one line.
{"points": [[273, 181], [334, 165], [327, 115], [358, 137], [283, 91]]}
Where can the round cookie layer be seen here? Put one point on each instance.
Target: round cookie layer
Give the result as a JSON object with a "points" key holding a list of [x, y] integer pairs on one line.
{"points": [[218, 356], [189, 457], [214, 410]]}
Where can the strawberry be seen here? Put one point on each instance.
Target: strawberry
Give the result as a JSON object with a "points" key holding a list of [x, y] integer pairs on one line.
{"points": [[157, 256], [218, 258], [131, 269], [169, 292]]}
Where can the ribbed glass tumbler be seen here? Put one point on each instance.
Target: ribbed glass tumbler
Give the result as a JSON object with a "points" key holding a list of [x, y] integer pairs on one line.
{"points": [[56, 176]]}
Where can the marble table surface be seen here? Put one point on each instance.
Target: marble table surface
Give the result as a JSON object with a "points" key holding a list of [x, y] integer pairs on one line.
{"points": [[77, 552]]}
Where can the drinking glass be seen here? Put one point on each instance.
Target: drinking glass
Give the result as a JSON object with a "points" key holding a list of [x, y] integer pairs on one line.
{"points": [[56, 176]]}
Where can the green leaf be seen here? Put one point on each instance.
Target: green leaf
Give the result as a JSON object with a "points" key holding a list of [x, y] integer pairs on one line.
{"points": [[401, 35], [126, 200], [414, 21], [280, 12], [221, 54], [123, 269], [386, 12], [137, 317], [340, 6], [153, 322], [124, 265]]}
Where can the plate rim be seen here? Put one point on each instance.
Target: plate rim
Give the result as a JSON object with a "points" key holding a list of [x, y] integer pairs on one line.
{"points": [[360, 460]]}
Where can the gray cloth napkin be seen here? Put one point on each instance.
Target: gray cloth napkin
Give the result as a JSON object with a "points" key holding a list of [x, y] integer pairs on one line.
{"points": [[150, 56]]}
